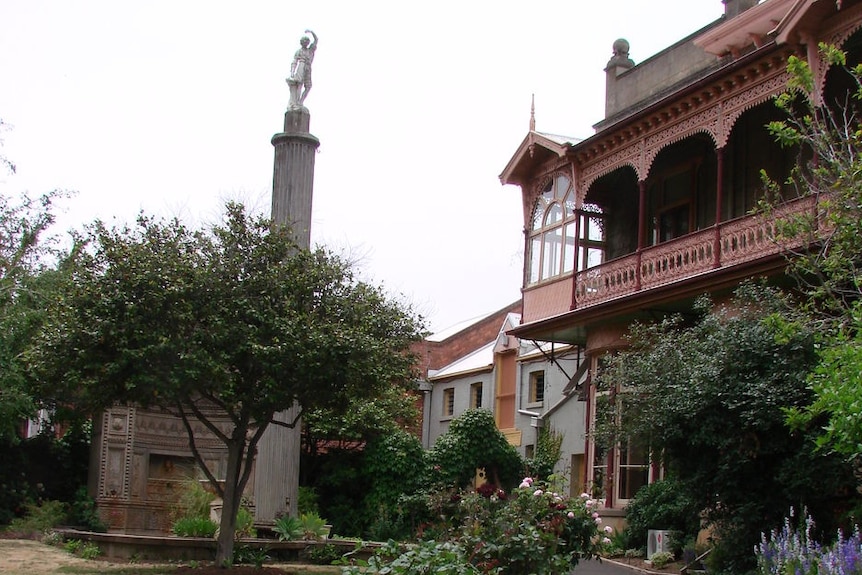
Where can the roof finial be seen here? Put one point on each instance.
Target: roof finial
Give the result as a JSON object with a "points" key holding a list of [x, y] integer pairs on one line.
{"points": [[533, 113]]}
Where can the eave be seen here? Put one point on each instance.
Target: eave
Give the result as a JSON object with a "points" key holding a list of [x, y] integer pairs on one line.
{"points": [[535, 149], [750, 28]]}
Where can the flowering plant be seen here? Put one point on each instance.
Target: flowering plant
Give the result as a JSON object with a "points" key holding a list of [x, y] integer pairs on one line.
{"points": [[532, 530], [794, 552]]}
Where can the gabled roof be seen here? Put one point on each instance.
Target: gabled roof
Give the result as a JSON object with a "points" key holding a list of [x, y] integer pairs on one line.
{"points": [[537, 147], [481, 359]]}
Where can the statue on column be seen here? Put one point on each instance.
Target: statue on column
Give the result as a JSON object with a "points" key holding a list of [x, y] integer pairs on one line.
{"points": [[299, 81]]}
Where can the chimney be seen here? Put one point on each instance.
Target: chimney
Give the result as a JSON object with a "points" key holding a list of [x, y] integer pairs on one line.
{"points": [[619, 63], [736, 7]]}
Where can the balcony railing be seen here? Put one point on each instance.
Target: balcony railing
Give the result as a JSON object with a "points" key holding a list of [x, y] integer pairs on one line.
{"points": [[731, 243]]}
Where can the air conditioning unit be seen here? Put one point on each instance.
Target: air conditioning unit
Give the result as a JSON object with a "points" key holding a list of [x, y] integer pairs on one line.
{"points": [[658, 541]]}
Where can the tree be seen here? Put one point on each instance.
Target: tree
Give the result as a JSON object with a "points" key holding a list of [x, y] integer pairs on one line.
{"points": [[828, 268], [26, 280], [708, 397], [226, 326]]}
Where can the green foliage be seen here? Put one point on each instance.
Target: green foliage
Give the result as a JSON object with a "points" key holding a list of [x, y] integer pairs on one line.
{"points": [[288, 528], [393, 466], [307, 500], [26, 284], [83, 513], [473, 441], [710, 397], [549, 448], [194, 527], [233, 320], [244, 524], [325, 554], [661, 559], [40, 518], [528, 531], [249, 554], [313, 526], [194, 500], [665, 504]]}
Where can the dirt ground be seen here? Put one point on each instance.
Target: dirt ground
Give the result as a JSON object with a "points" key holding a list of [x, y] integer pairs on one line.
{"points": [[27, 557]]}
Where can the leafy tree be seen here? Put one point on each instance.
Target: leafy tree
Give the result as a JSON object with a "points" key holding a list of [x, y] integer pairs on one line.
{"points": [[226, 326], [829, 267], [26, 281], [709, 397], [473, 441]]}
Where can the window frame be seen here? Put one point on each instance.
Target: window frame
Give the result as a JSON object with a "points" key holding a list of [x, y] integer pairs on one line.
{"points": [[534, 398], [476, 393], [552, 242], [448, 409]]}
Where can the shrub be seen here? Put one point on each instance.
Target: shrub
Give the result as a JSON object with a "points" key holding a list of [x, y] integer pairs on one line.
{"points": [[40, 518], [661, 505], [306, 500], [313, 526], [83, 512], [530, 530], [661, 559], [288, 528], [194, 527], [244, 524], [194, 500], [474, 441]]}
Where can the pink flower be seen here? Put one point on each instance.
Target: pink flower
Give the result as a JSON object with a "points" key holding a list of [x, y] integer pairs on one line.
{"points": [[606, 541], [589, 503], [570, 514], [524, 484], [608, 529], [598, 520], [585, 495], [538, 492], [595, 515]]}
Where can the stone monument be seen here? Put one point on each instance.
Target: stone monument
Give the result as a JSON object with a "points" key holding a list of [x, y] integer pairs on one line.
{"points": [[276, 479]]}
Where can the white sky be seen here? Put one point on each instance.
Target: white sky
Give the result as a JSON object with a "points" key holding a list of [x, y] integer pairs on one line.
{"points": [[168, 106]]}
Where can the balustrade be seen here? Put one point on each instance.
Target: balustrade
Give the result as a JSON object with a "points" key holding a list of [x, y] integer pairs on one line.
{"points": [[740, 240]]}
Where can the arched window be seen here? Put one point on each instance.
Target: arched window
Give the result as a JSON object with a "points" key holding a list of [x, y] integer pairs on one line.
{"points": [[552, 232]]}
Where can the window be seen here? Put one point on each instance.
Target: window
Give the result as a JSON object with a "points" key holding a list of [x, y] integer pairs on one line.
{"points": [[552, 234], [591, 237], [476, 395], [673, 195], [633, 470], [449, 402], [530, 451], [537, 387]]}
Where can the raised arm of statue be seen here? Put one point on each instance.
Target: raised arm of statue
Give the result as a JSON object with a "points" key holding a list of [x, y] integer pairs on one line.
{"points": [[313, 44]]}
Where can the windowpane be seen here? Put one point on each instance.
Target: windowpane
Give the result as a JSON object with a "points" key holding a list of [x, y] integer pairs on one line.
{"points": [[569, 203], [563, 184], [554, 214], [538, 214], [594, 257], [553, 248], [535, 258], [595, 229], [569, 252], [537, 387], [476, 395], [449, 401]]}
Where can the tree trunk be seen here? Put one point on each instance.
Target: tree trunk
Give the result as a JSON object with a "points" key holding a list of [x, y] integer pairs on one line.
{"points": [[230, 501]]}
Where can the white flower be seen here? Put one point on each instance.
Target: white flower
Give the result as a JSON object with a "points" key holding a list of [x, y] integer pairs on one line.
{"points": [[606, 541], [585, 495], [538, 492], [524, 484], [598, 520], [608, 529], [570, 514]]}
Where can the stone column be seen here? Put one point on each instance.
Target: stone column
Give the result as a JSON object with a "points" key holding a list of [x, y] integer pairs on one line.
{"points": [[293, 175], [276, 474]]}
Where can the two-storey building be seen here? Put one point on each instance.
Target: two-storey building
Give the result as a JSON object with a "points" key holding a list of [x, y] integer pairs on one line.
{"points": [[655, 208]]}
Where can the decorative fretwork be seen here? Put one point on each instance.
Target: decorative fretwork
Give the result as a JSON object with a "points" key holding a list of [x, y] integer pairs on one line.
{"points": [[741, 240]]}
